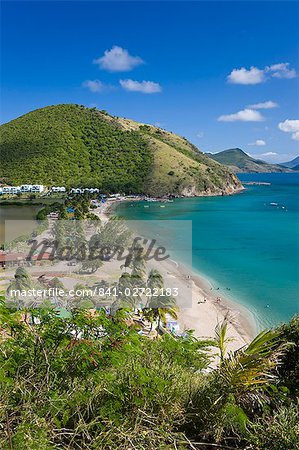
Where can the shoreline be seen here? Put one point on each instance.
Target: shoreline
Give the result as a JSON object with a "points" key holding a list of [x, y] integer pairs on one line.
{"points": [[204, 311]]}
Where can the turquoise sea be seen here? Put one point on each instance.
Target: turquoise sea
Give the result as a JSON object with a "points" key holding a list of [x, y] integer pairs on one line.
{"points": [[246, 244]]}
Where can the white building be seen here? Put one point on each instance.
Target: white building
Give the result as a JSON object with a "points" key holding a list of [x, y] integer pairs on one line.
{"points": [[58, 189], [26, 187], [12, 190], [81, 191], [115, 196], [32, 188], [92, 190], [37, 188], [77, 191]]}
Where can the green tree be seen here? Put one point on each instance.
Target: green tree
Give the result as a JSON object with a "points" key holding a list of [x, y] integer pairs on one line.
{"points": [[159, 305], [221, 338]]}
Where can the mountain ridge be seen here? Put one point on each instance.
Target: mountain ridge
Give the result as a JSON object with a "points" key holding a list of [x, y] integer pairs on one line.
{"points": [[238, 161], [291, 164]]}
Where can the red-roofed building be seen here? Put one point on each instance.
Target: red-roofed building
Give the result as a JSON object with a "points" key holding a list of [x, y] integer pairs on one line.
{"points": [[12, 259], [19, 259]]}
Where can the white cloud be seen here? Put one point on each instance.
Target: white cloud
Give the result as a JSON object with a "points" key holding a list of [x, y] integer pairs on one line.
{"points": [[290, 126], [246, 115], [264, 105], [244, 76], [118, 60], [94, 85], [254, 75], [269, 154], [281, 70], [146, 87], [274, 156], [258, 143], [200, 134]]}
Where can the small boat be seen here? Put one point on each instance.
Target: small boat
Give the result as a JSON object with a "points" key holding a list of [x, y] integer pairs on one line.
{"points": [[146, 206], [273, 204], [162, 206]]}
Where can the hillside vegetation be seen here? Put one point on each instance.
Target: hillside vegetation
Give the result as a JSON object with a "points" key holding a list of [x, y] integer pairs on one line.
{"points": [[76, 146], [92, 382], [238, 161]]}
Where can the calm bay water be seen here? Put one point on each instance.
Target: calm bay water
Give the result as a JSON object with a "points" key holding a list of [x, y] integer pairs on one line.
{"points": [[24, 213], [246, 244]]}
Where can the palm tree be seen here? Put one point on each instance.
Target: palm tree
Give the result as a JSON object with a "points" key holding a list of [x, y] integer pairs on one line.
{"points": [[221, 337], [239, 385], [153, 313], [138, 262], [125, 291], [17, 291], [155, 280], [22, 279], [159, 306], [128, 262], [248, 370]]}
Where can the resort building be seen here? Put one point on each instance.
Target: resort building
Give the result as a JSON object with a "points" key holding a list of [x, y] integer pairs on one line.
{"points": [[37, 188], [83, 190], [25, 188], [13, 259], [10, 190], [58, 189]]}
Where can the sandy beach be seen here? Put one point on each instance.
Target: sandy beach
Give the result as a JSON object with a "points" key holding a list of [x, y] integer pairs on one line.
{"points": [[198, 301], [203, 310]]}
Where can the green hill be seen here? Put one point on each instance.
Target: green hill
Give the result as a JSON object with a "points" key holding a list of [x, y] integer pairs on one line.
{"points": [[72, 145], [238, 161]]}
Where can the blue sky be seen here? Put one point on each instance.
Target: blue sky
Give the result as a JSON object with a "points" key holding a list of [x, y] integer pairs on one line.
{"points": [[221, 74]]}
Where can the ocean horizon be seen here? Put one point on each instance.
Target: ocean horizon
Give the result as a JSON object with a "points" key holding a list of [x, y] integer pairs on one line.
{"points": [[246, 245]]}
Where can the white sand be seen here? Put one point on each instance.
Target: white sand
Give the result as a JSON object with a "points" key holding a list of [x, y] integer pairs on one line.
{"points": [[200, 316]]}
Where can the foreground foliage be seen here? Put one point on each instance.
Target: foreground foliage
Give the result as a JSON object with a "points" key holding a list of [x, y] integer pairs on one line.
{"points": [[93, 382]]}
